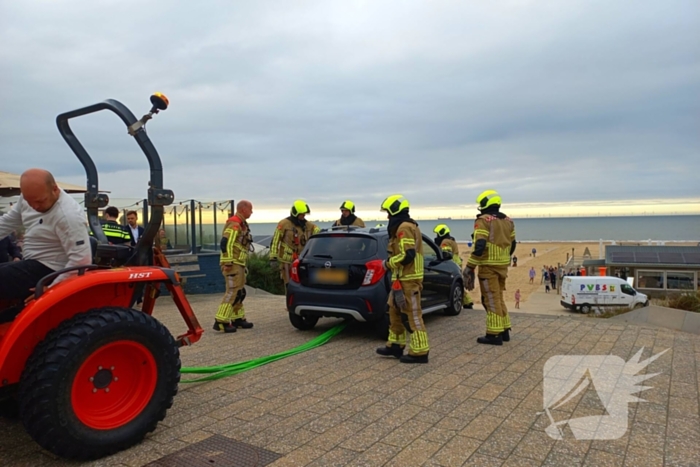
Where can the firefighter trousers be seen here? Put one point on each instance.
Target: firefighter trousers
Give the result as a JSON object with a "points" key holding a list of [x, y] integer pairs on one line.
{"points": [[492, 281], [231, 307], [285, 268], [408, 318]]}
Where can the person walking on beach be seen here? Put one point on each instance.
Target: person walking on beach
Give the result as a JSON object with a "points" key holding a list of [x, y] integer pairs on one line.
{"points": [[517, 299], [235, 245], [544, 274], [291, 235], [534, 252], [553, 278], [406, 265], [515, 261], [532, 275], [449, 244], [494, 236], [347, 215]]}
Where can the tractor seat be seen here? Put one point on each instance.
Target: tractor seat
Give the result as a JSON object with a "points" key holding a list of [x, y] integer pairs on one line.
{"points": [[112, 255]]}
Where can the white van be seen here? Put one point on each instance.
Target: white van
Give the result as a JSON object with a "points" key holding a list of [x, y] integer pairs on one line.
{"points": [[583, 293]]}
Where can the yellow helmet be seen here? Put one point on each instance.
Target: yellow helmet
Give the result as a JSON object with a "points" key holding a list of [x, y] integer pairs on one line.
{"points": [[488, 198], [349, 205], [300, 207], [394, 204], [441, 230]]}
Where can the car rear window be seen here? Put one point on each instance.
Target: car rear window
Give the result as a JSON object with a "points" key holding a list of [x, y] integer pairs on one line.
{"points": [[341, 247]]}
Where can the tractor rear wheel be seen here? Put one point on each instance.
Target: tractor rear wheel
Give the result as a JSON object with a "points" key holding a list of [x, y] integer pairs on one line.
{"points": [[99, 383]]}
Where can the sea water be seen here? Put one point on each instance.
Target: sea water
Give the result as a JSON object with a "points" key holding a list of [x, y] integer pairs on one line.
{"points": [[628, 228]]}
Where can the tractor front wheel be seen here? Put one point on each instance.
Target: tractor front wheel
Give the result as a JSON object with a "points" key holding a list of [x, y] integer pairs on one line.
{"points": [[99, 383]]}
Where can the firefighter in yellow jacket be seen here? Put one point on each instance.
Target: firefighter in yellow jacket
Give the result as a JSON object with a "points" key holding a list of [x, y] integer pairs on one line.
{"points": [[291, 235], [494, 244], [235, 245], [447, 243], [347, 216], [406, 265]]}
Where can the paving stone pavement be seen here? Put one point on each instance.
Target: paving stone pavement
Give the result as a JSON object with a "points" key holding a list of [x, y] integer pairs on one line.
{"points": [[472, 405]]}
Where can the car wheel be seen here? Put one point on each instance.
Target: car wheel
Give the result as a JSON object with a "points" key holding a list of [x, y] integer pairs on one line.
{"points": [[99, 383], [381, 327], [303, 323], [454, 307], [585, 308]]}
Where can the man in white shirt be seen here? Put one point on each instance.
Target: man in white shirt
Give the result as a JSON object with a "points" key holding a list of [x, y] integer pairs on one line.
{"points": [[56, 234], [132, 218]]}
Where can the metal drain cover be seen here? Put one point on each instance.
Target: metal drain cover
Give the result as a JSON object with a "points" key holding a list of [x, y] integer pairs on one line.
{"points": [[218, 451]]}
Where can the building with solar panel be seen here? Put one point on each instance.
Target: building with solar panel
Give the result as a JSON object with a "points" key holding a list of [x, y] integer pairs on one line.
{"points": [[655, 270]]}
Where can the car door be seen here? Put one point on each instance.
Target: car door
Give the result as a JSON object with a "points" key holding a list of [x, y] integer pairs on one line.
{"points": [[626, 294], [436, 280]]}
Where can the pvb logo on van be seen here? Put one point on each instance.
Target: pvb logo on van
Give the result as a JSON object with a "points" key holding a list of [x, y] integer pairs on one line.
{"points": [[614, 381], [596, 287]]}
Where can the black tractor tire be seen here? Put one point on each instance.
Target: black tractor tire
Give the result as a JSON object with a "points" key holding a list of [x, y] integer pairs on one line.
{"points": [[380, 327], [46, 400], [454, 307], [585, 308], [303, 323]]}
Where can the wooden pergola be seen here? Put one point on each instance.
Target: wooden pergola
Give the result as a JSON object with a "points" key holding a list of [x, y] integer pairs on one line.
{"points": [[9, 185]]}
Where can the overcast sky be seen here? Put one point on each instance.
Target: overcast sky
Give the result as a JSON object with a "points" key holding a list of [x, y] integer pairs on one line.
{"points": [[545, 101]]}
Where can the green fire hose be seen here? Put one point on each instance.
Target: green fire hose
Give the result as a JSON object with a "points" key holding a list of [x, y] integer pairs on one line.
{"points": [[229, 369]]}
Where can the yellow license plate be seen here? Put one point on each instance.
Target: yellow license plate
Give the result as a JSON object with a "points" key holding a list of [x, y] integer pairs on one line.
{"points": [[332, 276]]}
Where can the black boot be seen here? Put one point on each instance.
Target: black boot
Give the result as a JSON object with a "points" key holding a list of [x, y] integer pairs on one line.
{"points": [[505, 335], [468, 306], [242, 323], [225, 327], [490, 339], [394, 351], [414, 359]]}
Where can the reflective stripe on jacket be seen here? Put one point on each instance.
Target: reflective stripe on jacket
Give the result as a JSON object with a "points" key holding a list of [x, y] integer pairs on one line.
{"points": [[235, 241], [289, 240], [499, 235], [408, 237], [450, 245], [115, 233]]}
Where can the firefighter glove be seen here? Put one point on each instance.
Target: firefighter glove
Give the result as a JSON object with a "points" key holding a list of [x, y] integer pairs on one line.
{"points": [[469, 277]]}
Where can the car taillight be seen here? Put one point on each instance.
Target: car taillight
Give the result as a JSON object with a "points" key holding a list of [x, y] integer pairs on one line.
{"points": [[375, 272], [294, 272]]}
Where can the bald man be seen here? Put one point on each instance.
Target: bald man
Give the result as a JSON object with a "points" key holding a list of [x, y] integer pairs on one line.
{"points": [[56, 234]]}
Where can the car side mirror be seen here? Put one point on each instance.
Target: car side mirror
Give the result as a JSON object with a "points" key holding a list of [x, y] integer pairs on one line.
{"points": [[446, 255]]}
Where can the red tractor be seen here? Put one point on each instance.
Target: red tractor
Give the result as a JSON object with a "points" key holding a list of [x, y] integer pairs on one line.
{"points": [[89, 373]]}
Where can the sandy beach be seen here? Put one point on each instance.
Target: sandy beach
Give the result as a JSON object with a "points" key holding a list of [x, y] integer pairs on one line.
{"points": [[549, 254]]}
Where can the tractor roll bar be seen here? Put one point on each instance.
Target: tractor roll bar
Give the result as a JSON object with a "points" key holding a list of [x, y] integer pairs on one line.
{"points": [[158, 197]]}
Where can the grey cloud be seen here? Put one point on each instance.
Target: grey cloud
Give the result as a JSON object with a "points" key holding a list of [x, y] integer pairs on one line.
{"points": [[328, 100]]}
